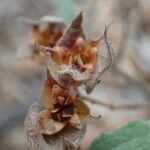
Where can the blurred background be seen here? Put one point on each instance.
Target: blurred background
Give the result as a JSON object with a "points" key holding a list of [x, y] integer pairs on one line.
{"points": [[128, 81]]}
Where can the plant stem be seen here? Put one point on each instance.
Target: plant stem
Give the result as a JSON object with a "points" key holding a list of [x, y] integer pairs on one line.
{"points": [[115, 105]]}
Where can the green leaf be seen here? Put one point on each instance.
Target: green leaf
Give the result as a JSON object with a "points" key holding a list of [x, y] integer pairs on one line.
{"points": [[134, 136]]}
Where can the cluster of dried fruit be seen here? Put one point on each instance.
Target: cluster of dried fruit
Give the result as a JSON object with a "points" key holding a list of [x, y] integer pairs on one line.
{"points": [[72, 61]]}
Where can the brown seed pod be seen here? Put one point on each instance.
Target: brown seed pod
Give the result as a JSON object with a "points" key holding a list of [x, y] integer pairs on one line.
{"points": [[73, 58], [47, 31]]}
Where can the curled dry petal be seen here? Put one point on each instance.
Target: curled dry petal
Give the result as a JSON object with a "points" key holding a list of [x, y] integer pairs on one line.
{"points": [[32, 126]]}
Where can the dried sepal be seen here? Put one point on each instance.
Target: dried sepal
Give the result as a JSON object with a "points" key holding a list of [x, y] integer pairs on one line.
{"points": [[48, 125], [82, 110], [75, 120], [68, 138], [32, 126], [95, 77], [46, 96], [48, 52], [72, 33]]}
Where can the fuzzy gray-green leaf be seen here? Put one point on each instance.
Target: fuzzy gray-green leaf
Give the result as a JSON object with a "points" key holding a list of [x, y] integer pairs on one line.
{"points": [[134, 136]]}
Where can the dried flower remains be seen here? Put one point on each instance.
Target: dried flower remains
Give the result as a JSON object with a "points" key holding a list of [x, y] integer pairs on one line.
{"points": [[71, 62], [45, 31]]}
